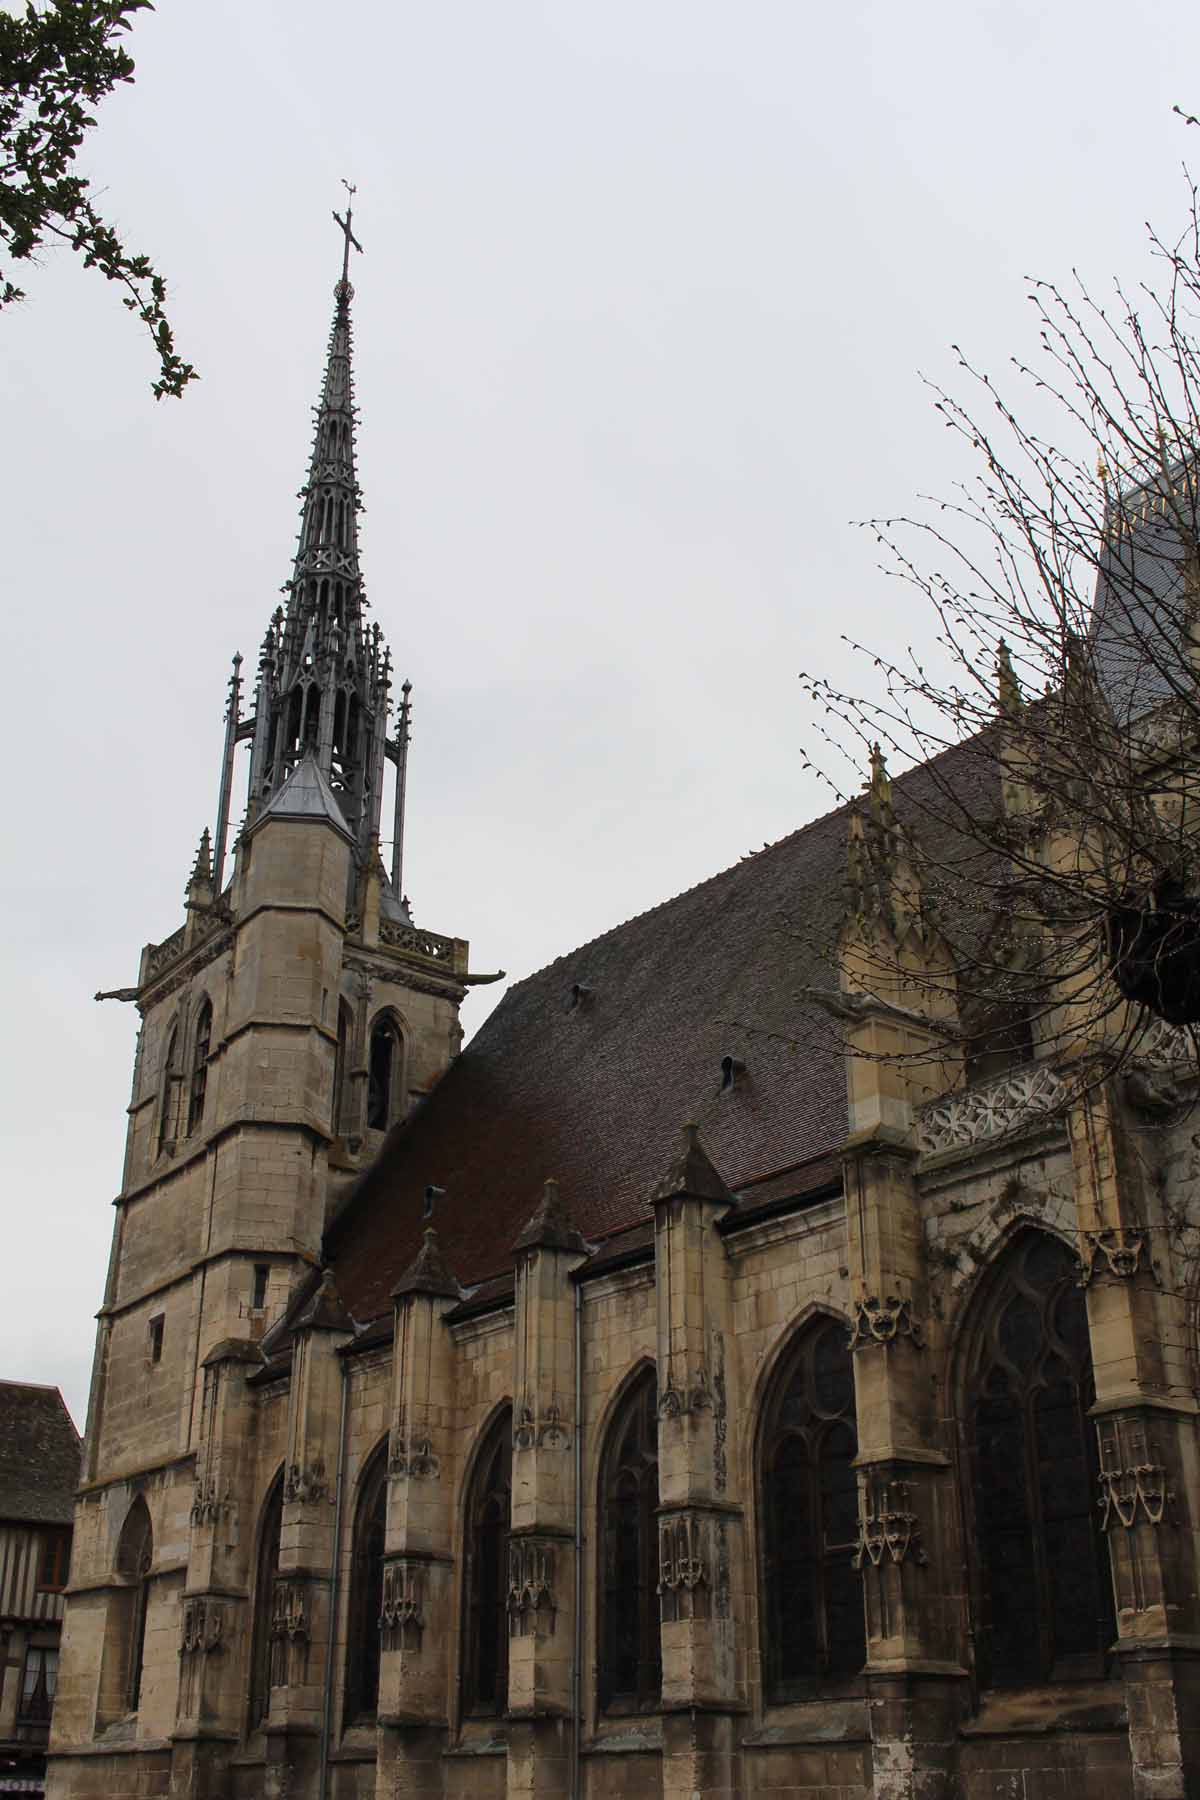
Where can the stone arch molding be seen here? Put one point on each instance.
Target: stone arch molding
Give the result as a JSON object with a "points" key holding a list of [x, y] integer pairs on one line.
{"points": [[1004, 1220], [774, 1355]]}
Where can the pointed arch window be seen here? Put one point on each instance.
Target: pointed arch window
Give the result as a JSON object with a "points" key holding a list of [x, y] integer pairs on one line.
{"points": [[135, 1554], [1043, 1593], [630, 1673], [266, 1569], [167, 1098], [814, 1628], [385, 1064], [366, 1593], [198, 1076], [485, 1638]]}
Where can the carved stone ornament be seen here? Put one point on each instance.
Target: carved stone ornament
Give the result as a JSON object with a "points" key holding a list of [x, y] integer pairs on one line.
{"points": [[306, 1484], [695, 1396], [402, 1619], [990, 1110], [531, 1605], [208, 1503], [410, 1453], [1133, 1483], [291, 1628], [1114, 1252], [684, 1567], [884, 1322], [888, 1530], [542, 1431], [203, 1627]]}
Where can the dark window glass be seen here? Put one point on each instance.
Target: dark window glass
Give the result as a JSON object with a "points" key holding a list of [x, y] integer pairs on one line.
{"points": [[366, 1593], [38, 1683], [630, 1629], [55, 1560], [1045, 1599], [382, 1068], [167, 1098], [485, 1661], [813, 1604], [198, 1080], [266, 1569], [340, 1059]]}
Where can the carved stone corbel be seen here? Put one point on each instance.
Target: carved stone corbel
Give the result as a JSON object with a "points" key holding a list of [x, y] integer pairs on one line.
{"points": [[886, 1321], [411, 1453], [1114, 1252]]}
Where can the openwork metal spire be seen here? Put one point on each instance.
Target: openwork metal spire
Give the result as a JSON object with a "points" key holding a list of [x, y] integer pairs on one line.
{"points": [[324, 675]]}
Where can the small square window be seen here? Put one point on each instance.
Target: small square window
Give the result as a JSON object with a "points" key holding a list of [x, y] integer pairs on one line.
{"points": [[156, 1338]]}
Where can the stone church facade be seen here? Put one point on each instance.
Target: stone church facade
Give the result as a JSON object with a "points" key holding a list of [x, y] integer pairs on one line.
{"points": [[642, 1401]]}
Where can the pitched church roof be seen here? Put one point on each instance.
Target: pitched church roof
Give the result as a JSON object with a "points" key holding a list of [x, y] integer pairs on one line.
{"points": [[587, 1072], [39, 1455]]}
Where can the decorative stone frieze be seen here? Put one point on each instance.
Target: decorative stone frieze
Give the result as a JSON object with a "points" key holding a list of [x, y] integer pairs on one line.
{"points": [[1114, 1252], [411, 1454], [402, 1618], [291, 1629], [888, 1529], [685, 1566], [203, 1627], [306, 1484], [531, 1602], [878, 1321], [1133, 1482], [209, 1502], [546, 1430], [975, 1114]]}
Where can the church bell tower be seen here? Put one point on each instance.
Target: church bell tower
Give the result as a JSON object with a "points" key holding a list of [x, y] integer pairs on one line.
{"points": [[292, 1019]]}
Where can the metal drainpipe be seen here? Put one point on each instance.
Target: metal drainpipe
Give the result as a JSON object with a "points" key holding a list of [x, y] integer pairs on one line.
{"points": [[577, 1651], [330, 1659]]}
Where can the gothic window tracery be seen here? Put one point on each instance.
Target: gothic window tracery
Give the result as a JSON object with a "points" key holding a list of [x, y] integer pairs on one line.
{"points": [[1043, 1591], [630, 1669], [485, 1638], [814, 1626], [266, 1569], [198, 1077], [366, 1593]]}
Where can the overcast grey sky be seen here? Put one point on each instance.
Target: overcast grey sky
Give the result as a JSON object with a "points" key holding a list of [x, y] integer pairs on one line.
{"points": [[645, 294]]}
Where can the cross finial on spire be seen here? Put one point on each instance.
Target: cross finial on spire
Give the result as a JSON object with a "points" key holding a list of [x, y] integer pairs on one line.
{"points": [[345, 226]]}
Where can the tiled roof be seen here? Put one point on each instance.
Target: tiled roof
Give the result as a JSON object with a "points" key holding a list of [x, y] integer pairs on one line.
{"points": [[587, 1071], [39, 1455]]}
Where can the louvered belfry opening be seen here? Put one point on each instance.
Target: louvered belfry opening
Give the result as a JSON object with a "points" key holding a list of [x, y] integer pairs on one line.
{"points": [[489, 1509], [630, 1675], [1044, 1607], [814, 1627]]}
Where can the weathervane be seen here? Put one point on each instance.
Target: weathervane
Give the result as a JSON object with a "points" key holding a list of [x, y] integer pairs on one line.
{"points": [[346, 231]]}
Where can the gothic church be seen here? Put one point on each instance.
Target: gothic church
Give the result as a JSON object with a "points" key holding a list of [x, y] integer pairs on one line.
{"points": [[635, 1403]]}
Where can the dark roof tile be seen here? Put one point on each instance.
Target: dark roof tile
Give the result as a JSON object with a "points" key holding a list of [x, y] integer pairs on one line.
{"points": [[39, 1455]]}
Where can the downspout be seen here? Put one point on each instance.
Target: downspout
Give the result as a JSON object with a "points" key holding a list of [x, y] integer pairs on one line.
{"points": [[577, 1647], [334, 1583]]}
